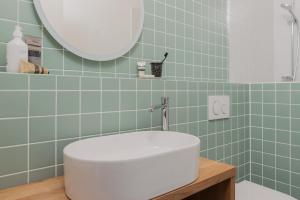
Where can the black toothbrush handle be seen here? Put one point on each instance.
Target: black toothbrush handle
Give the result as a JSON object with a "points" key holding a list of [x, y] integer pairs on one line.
{"points": [[166, 55]]}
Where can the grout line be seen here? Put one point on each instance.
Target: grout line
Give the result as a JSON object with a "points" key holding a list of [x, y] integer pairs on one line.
{"points": [[262, 135], [276, 131], [215, 127], [55, 122], [136, 105], [101, 107], [80, 109], [223, 132], [119, 104], [63, 61], [207, 126], [290, 140], [231, 123], [237, 91], [184, 42], [250, 131], [28, 171], [28, 130]]}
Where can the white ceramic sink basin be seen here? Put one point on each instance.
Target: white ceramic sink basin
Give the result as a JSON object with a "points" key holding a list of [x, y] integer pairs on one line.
{"points": [[132, 166]]}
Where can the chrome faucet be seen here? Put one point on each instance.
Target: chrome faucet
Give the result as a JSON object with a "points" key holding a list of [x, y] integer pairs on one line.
{"points": [[164, 111]]}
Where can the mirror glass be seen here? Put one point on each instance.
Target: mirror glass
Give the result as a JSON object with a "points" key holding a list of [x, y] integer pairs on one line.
{"points": [[94, 29]]}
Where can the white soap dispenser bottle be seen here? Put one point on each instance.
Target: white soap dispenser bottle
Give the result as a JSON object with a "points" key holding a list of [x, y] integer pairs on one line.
{"points": [[17, 50]]}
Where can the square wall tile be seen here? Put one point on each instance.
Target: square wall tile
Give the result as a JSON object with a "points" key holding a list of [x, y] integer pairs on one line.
{"points": [[41, 174], [68, 102], [8, 9], [89, 83], [13, 132], [110, 101], [90, 124], [143, 100], [110, 122], [13, 180], [42, 103], [90, 101], [41, 129], [15, 160], [13, 104], [38, 82], [41, 155], [143, 119], [110, 84], [128, 121], [67, 126], [91, 66], [27, 13], [13, 81], [128, 100], [68, 83]]}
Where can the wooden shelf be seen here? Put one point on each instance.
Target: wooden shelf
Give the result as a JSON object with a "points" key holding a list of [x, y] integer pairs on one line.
{"points": [[213, 176], [216, 181]]}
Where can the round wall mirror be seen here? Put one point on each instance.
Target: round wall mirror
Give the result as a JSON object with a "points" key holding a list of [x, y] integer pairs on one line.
{"points": [[98, 30]]}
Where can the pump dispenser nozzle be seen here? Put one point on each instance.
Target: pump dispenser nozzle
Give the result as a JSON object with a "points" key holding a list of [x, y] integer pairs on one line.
{"points": [[18, 32]]}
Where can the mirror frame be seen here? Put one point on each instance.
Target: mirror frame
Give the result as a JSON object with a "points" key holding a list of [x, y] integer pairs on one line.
{"points": [[69, 47]]}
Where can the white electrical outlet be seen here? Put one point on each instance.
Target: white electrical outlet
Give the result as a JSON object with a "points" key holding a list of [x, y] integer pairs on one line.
{"points": [[218, 107]]}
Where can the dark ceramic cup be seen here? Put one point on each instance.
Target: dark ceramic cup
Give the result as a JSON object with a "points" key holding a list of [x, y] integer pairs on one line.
{"points": [[156, 69]]}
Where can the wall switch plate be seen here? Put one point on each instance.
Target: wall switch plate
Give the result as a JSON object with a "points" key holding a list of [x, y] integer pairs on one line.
{"points": [[218, 107]]}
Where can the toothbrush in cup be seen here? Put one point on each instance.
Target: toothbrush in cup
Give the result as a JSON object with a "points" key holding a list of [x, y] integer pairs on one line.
{"points": [[156, 67]]}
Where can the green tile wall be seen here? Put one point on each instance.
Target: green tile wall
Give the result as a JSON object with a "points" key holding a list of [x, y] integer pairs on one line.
{"points": [[40, 115], [275, 136], [46, 117], [192, 31]]}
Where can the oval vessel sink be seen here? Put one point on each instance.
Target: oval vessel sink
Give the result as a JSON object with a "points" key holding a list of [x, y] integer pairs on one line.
{"points": [[131, 166]]}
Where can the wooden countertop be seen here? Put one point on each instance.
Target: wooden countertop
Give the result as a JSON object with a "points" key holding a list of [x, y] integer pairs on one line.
{"points": [[211, 173]]}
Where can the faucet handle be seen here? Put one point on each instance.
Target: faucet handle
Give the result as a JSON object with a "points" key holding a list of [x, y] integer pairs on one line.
{"points": [[151, 109], [164, 104]]}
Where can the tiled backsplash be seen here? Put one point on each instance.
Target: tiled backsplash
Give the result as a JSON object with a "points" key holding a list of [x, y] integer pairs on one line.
{"points": [[275, 136], [194, 32], [41, 114]]}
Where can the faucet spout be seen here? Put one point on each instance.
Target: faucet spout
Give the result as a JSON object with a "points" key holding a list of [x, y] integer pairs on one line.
{"points": [[164, 106]]}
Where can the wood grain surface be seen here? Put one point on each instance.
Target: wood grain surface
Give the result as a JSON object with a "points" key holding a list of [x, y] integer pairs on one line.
{"points": [[211, 173]]}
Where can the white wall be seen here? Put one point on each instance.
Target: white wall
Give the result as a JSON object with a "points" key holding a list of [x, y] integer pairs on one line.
{"points": [[259, 40], [251, 40]]}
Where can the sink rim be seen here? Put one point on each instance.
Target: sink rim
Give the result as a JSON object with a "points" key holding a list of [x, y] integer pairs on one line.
{"points": [[68, 149]]}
